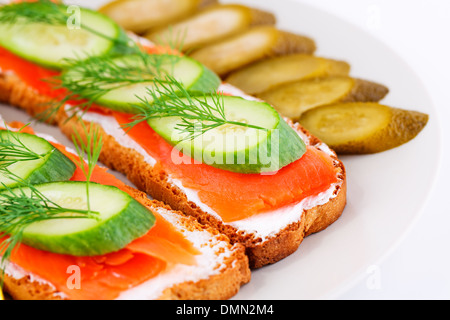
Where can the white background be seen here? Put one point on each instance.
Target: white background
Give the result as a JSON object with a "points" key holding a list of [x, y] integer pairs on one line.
{"points": [[418, 31]]}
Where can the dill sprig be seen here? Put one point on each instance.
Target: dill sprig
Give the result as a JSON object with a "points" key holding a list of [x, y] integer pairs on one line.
{"points": [[87, 81], [51, 13], [198, 114], [173, 40], [42, 11], [95, 77], [23, 206], [13, 150], [89, 149]]}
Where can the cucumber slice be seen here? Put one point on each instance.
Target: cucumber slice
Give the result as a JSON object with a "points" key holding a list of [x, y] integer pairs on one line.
{"points": [[32, 159], [121, 82], [237, 148], [121, 219], [49, 44]]}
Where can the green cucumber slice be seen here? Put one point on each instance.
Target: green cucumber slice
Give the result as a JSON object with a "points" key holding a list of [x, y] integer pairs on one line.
{"points": [[31, 159], [122, 81], [49, 44], [121, 220], [237, 148]]}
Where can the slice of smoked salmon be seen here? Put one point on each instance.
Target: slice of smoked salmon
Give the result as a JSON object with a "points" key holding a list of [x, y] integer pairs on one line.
{"points": [[37, 77], [84, 278], [124, 276], [161, 248], [236, 196], [164, 229]]}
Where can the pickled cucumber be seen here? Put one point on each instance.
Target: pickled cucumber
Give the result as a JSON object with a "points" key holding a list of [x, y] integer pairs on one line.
{"points": [[363, 128], [295, 98], [210, 25], [250, 46], [270, 73], [141, 15]]}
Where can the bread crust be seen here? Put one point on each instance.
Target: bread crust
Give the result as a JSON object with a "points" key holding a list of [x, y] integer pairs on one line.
{"points": [[28, 289], [17, 93], [156, 184]]}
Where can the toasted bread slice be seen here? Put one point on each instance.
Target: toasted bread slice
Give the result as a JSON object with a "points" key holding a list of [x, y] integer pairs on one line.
{"points": [[15, 92], [220, 270], [263, 247]]}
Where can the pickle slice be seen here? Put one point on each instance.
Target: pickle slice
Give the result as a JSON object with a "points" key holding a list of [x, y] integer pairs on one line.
{"points": [[295, 98], [210, 25], [253, 45], [269, 73], [141, 15], [363, 128], [206, 3]]}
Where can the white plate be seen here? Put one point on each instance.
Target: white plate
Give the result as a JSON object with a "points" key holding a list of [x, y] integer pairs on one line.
{"points": [[386, 192]]}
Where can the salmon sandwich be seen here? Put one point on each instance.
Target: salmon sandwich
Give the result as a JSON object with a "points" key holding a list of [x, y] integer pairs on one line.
{"points": [[72, 230], [175, 130]]}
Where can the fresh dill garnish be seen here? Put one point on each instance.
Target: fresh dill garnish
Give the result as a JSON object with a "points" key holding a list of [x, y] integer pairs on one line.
{"points": [[198, 114], [93, 78], [42, 11], [89, 149], [51, 13], [173, 40], [24, 205], [13, 150], [86, 81]]}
